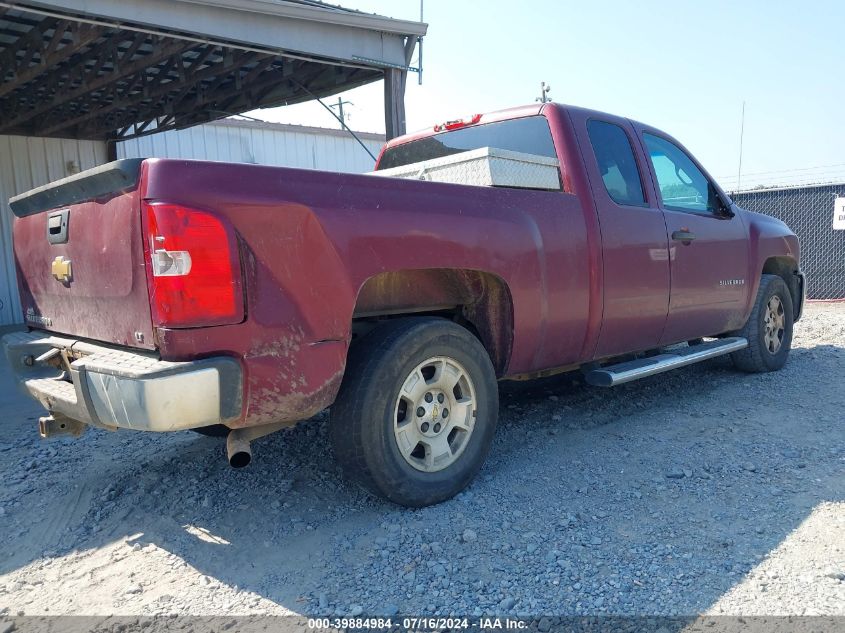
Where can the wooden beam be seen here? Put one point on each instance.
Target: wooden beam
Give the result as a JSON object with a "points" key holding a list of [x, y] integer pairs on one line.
{"points": [[34, 38], [162, 50], [27, 19], [277, 90], [233, 99], [195, 107], [58, 80], [123, 101], [64, 84], [194, 89], [84, 37]]}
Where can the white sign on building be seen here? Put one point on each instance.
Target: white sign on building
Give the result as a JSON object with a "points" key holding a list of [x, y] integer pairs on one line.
{"points": [[839, 214]]}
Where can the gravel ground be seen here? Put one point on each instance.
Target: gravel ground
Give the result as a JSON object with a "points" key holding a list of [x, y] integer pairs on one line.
{"points": [[699, 491]]}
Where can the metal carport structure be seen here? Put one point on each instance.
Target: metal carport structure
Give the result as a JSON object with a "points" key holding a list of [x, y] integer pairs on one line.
{"points": [[111, 69], [76, 76]]}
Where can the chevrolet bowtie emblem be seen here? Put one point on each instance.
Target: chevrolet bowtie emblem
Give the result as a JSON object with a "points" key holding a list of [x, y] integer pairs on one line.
{"points": [[61, 269]]}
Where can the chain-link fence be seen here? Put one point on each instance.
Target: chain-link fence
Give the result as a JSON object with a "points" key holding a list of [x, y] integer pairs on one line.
{"points": [[809, 212]]}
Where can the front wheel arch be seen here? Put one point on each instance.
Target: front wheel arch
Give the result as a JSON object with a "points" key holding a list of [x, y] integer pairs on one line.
{"points": [[787, 269]]}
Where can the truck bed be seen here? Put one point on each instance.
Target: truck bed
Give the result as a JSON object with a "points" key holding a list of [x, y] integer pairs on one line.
{"points": [[343, 242]]}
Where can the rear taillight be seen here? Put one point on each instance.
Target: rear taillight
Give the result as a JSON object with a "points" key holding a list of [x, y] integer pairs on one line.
{"points": [[193, 268]]}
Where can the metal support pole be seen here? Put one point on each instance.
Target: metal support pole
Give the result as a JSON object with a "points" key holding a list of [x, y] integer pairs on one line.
{"points": [[394, 102]]}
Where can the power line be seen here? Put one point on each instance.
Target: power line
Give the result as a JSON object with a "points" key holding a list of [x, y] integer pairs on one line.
{"points": [[341, 121], [787, 185], [835, 174], [782, 171], [840, 179], [827, 175]]}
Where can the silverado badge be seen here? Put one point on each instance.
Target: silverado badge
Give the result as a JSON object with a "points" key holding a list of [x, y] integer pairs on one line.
{"points": [[32, 317], [61, 269]]}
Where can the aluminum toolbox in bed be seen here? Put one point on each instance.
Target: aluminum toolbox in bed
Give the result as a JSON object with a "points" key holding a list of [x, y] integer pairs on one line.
{"points": [[486, 167]]}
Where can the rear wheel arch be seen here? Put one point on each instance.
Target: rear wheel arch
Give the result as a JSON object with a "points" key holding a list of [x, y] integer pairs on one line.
{"points": [[478, 301]]}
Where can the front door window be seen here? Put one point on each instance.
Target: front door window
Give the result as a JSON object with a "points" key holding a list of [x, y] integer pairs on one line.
{"points": [[683, 186]]}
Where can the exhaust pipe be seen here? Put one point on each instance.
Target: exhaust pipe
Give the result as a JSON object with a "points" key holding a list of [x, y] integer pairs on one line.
{"points": [[238, 449], [51, 426]]}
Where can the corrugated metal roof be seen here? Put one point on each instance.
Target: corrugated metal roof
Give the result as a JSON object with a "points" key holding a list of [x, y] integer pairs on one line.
{"points": [[108, 69], [323, 11]]}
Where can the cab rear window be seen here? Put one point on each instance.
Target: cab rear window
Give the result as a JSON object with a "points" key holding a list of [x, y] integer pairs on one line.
{"points": [[529, 135]]}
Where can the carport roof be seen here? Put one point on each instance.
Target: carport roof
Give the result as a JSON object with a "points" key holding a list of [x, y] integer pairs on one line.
{"points": [[110, 69]]}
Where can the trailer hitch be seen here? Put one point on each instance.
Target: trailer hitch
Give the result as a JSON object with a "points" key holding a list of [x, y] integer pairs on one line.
{"points": [[53, 425]]}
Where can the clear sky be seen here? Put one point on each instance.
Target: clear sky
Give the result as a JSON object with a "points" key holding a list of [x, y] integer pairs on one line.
{"points": [[683, 66]]}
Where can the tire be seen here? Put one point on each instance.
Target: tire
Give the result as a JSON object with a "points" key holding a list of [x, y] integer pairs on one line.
{"points": [[214, 430], [768, 348], [375, 422]]}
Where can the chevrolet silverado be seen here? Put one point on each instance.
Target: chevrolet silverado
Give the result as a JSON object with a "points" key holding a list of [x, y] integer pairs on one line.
{"points": [[162, 295]]}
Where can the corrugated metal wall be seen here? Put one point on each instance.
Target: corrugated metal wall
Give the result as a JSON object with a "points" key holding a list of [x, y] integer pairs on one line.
{"points": [[25, 163], [264, 144]]}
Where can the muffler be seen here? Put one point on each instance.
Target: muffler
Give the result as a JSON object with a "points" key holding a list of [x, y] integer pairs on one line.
{"points": [[54, 425]]}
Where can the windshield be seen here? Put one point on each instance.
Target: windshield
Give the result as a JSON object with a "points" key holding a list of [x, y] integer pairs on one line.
{"points": [[529, 135]]}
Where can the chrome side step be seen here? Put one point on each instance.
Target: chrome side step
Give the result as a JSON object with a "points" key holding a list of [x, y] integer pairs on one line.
{"points": [[620, 373]]}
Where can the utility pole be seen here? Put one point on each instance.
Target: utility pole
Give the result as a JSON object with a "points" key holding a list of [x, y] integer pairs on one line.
{"points": [[544, 93], [741, 134], [419, 49], [339, 105]]}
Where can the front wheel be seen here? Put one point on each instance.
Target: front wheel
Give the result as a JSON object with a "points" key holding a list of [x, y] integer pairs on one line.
{"points": [[768, 329], [417, 411]]}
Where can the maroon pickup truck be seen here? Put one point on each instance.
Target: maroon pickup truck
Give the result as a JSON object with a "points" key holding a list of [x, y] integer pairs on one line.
{"points": [[236, 299]]}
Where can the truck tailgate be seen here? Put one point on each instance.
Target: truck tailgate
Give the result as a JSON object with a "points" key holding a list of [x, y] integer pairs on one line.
{"points": [[80, 261]]}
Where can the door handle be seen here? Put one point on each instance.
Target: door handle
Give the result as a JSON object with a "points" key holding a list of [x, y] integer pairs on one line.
{"points": [[683, 236]]}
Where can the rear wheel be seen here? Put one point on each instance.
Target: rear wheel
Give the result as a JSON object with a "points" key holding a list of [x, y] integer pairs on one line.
{"points": [[768, 329], [417, 411]]}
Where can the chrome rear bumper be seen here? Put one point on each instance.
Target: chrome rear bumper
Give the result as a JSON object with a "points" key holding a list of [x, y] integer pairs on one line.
{"points": [[115, 387]]}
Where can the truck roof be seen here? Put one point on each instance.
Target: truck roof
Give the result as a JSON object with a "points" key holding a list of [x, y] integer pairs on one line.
{"points": [[497, 115], [490, 117]]}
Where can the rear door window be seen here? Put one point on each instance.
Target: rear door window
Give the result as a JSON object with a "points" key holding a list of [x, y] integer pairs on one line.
{"points": [[616, 162]]}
